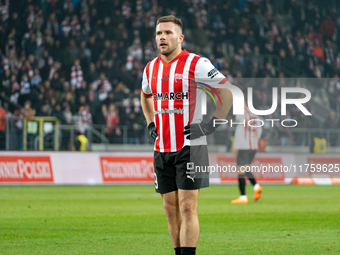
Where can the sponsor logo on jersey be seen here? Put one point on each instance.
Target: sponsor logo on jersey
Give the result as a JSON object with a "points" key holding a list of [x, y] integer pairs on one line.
{"points": [[171, 96], [165, 77], [212, 73], [178, 111]]}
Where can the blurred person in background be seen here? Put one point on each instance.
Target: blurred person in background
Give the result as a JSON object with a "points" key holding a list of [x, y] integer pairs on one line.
{"points": [[83, 119], [49, 92], [112, 121], [2, 127], [68, 120], [36, 79], [5, 83], [134, 128], [245, 147], [332, 124], [25, 90], [76, 74], [43, 111], [58, 113], [20, 114]]}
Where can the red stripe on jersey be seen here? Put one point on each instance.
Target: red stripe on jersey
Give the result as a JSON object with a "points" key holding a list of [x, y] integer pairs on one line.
{"points": [[165, 105], [192, 88], [178, 87], [223, 81], [154, 90]]}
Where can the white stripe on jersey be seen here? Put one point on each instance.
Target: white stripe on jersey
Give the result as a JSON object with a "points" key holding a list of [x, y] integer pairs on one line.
{"points": [[171, 106], [150, 70]]}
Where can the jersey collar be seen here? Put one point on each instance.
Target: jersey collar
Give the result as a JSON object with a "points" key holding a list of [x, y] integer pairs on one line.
{"points": [[175, 59]]}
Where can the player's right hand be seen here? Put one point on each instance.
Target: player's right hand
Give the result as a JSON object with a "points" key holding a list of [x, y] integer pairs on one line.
{"points": [[152, 131]]}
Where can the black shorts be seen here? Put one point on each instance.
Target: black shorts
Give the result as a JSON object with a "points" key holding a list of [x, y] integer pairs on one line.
{"points": [[176, 170], [245, 157]]}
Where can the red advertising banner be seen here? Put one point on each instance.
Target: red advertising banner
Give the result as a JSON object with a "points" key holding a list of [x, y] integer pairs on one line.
{"points": [[264, 169], [127, 169], [332, 163], [329, 166], [26, 169]]}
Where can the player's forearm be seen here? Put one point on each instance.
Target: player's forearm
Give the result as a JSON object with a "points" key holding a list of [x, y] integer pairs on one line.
{"points": [[147, 106], [227, 100]]}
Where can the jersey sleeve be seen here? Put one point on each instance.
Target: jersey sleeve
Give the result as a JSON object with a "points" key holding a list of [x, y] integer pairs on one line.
{"points": [[206, 73], [145, 84]]}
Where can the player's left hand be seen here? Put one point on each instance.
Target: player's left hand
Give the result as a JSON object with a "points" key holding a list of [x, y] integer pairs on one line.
{"points": [[199, 129]]}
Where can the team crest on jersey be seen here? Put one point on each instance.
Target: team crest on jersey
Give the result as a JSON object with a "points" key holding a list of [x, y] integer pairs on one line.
{"points": [[178, 76]]}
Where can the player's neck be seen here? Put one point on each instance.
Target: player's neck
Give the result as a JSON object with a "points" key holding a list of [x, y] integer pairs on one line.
{"points": [[171, 56]]}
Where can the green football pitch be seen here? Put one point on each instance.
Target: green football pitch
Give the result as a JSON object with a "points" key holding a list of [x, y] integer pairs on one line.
{"points": [[130, 220]]}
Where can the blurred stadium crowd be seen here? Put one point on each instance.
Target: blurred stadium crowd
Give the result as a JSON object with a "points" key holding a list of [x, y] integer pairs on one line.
{"points": [[82, 60]]}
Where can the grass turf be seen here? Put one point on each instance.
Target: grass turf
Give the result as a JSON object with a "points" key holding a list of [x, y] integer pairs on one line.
{"points": [[130, 220]]}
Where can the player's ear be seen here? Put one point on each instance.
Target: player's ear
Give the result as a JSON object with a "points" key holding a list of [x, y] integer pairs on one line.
{"points": [[180, 38]]}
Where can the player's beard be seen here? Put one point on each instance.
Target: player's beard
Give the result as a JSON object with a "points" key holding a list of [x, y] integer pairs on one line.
{"points": [[168, 51]]}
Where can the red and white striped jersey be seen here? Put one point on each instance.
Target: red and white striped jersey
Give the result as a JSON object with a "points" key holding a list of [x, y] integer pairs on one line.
{"points": [[247, 137], [177, 97]]}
